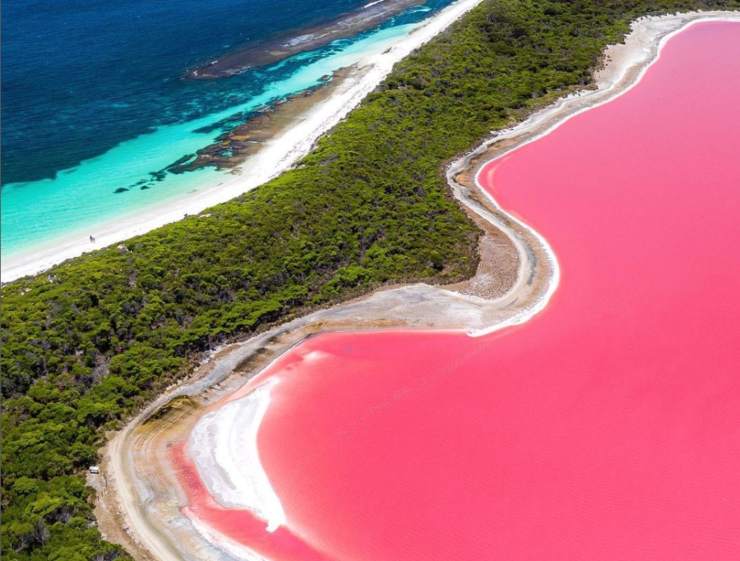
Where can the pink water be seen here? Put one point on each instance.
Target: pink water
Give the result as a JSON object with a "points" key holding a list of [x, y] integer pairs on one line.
{"points": [[608, 427]]}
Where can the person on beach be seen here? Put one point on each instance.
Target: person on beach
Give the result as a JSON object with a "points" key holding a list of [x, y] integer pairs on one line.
{"points": [[92, 238]]}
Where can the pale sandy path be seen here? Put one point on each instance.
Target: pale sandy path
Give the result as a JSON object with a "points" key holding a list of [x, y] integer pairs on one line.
{"points": [[141, 496]]}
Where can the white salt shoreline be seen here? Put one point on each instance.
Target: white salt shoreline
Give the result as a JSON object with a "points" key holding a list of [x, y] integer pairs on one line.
{"points": [[641, 50], [229, 460], [278, 155]]}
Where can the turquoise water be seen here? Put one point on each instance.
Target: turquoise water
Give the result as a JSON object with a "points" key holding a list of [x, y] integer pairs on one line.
{"points": [[78, 199]]}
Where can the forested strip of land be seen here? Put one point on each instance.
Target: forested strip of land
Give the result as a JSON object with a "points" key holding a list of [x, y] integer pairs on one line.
{"points": [[89, 341]]}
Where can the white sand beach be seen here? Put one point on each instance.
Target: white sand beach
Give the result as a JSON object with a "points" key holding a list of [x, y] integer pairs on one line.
{"points": [[276, 156]]}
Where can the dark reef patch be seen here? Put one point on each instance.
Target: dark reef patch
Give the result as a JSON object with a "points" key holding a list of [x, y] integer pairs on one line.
{"points": [[300, 40]]}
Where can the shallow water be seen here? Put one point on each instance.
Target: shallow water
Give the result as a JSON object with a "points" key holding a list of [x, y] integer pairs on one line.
{"points": [[607, 427], [87, 113]]}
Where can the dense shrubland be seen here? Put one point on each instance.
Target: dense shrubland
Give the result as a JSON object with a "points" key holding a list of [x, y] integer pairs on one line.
{"points": [[95, 337]]}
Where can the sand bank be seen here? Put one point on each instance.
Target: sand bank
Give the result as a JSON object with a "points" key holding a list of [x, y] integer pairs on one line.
{"points": [[470, 306], [276, 155]]}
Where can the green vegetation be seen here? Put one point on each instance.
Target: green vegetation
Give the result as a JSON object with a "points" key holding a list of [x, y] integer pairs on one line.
{"points": [[96, 337]]}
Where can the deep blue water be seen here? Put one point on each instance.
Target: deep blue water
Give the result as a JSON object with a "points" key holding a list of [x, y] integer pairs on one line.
{"points": [[79, 76]]}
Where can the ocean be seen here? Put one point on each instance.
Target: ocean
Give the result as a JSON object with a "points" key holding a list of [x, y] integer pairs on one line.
{"points": [[94, 100]]}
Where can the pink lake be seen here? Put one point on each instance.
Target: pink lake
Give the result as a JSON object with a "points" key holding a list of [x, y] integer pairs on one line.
{"points": [[606, 428]]}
